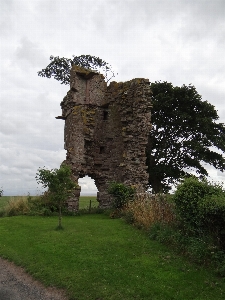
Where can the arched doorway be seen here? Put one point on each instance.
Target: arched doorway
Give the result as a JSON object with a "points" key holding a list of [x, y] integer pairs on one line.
{"points": [[88, 186], [88, 195]]}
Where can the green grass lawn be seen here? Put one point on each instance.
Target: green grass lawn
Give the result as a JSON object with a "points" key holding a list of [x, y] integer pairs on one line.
{"points": [[96, 257]]}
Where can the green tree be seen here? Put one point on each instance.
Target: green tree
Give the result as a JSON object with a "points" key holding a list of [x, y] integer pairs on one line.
{"points": [[59, 67], [1, 192], [185, 135], [59, 183]]}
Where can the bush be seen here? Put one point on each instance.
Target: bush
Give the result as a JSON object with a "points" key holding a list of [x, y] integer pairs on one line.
{"points": [[189, 199], [198, 249], [45, 205], [201, 209], [213, 218], [121, 194]]}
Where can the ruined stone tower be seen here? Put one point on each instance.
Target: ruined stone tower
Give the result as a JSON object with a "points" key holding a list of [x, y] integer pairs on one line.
{"points": [[106, 131]]}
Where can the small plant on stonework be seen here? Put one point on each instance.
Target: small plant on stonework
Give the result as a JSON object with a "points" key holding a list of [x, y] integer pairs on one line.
{"points": [[121, 194], [59, 183]]}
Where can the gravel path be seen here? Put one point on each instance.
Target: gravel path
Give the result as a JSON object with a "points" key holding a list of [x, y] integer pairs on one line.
{"points": [[16, 284]]}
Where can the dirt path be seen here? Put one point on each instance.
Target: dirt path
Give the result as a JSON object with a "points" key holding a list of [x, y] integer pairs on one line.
{"points": [[16, 284]]}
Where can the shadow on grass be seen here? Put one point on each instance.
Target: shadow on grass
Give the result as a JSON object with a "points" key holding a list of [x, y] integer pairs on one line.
{"points": [[59, 228]]}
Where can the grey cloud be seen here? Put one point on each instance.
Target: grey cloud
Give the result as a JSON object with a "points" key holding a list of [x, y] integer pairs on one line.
{"points": [[125, 15], [210, 11], [6, 170], [6, 6], [29, 52], [19, 166], [28, 117], [7, 127], [5, 17], [204, 19], [63, 17], [215, 97], [49, 7]]}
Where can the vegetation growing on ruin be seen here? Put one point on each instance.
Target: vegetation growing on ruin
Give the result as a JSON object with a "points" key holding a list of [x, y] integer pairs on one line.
{"points": [[59, 67]]}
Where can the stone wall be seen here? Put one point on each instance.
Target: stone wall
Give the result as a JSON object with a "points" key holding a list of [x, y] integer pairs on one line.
{"points": [[106, 131]]}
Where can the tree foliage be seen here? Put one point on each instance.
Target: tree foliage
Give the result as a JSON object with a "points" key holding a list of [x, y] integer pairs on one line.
{"points": [[185, 135], [59, 183], [59, 67]]}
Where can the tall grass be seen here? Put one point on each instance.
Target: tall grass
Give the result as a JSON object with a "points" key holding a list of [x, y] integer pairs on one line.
{"points": [[17, 206], [4, 200], [11, 205], [148, 209]]}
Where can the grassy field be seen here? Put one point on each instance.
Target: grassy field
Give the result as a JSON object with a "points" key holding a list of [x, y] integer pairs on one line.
{"points": [[84, 201], [96, 257]]}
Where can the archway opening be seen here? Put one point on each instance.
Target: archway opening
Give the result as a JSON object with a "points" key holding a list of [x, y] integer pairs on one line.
{"points": [[88, 195], [88, 187]]}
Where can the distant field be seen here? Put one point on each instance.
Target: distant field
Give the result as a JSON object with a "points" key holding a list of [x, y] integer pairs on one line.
{"points": [[84, 201]]}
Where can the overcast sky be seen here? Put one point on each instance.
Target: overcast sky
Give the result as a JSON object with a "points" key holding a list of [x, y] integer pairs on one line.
{"points": [[180, 41]]}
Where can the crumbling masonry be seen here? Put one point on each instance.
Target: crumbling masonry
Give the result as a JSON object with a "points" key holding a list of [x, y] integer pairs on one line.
{"points": [[106, 131]]}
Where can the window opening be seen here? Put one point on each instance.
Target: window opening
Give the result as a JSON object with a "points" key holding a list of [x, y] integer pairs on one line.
{"points": [[102, 150], [105, 115]]}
